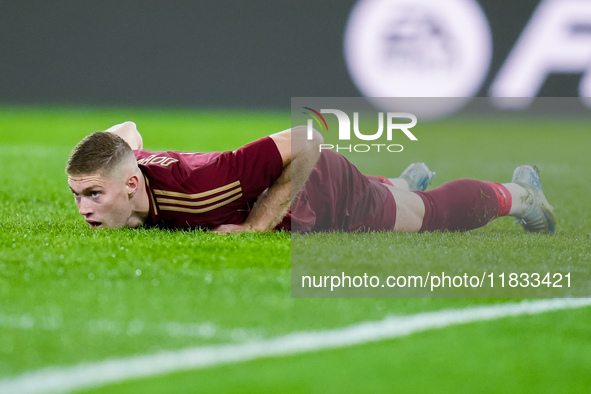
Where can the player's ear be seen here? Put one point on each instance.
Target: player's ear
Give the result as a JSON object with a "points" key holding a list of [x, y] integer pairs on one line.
{"points": [[132, 184]]}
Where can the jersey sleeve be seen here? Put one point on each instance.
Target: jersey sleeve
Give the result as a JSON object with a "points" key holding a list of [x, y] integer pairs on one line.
{"points": [[257, 166]]}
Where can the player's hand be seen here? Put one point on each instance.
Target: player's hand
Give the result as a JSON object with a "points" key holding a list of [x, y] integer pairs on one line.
{"points": [[232, 228]]}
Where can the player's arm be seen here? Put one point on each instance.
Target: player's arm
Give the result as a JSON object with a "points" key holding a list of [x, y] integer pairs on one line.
{"points": [[299, 156], [128, 131]]}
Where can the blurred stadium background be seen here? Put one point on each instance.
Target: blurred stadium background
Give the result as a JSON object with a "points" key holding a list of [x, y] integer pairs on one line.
{"points": [[258, 54]]}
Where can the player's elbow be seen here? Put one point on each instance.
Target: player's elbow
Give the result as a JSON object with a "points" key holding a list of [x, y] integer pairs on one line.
{"points": [[317, 138], [128, 123], [305, 140], [314, 141], [129, 132]]}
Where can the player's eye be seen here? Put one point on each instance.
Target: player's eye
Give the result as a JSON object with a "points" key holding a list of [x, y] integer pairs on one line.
{"points": [[95, 194]]}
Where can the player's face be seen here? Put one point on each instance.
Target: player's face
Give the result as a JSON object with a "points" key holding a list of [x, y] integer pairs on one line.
{"points": [[102, 201]]}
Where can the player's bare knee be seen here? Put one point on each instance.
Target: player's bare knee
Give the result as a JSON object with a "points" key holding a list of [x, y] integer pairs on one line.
{"points": [[410, 210]]}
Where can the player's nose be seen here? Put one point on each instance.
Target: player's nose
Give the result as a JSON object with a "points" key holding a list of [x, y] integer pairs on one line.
{"points": [[84, 208]]}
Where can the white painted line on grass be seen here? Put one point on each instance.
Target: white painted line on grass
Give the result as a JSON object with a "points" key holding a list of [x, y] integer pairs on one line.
{"points": [[95, 374]]}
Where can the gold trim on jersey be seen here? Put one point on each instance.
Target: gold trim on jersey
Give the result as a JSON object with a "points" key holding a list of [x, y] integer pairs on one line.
{"points": [[199, 210], [151, 196], [197, 195], [199, 203]]}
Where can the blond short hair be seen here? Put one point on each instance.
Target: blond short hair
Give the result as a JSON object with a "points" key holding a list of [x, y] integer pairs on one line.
{"points": [[99, 153]]}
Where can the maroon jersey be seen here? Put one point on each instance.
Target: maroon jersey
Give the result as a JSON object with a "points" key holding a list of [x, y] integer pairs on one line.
{"points": [[207, 189], [338, 197]]}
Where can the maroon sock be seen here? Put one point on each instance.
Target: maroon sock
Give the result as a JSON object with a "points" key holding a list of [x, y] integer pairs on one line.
{"points": [[464, 204]]}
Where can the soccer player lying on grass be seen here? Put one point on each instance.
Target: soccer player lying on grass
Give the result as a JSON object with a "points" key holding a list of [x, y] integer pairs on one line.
{"points": [[117, 183]]}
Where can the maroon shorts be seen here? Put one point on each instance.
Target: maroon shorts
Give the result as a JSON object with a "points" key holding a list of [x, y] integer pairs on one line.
{"points": [[338, 197]]}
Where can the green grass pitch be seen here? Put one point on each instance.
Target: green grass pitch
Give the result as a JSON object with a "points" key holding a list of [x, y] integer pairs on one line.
{"points": [[70, 295]]}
